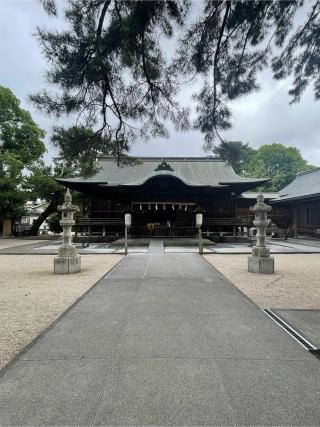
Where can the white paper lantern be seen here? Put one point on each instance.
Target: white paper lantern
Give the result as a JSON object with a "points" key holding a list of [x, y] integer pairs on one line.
{"points": [[199, 219], [127, 220]]}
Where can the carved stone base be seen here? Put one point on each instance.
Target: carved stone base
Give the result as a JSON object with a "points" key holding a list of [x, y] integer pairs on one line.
{"points": [[67, 251], [67, 265], [263, 265], [260, 252]]}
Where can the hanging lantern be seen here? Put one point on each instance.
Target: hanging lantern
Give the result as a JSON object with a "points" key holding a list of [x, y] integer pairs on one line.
{"points": [[156, 206]]}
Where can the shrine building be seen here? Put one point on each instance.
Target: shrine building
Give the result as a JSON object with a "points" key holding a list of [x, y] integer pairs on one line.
{"points": [[299, 204], [163, 196]]}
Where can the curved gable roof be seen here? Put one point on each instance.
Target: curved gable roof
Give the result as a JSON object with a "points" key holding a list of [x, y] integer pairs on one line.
{"points": [[200, 171]]}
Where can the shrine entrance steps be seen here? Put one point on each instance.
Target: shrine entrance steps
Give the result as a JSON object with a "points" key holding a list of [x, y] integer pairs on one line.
{"points": [[156, 247]]}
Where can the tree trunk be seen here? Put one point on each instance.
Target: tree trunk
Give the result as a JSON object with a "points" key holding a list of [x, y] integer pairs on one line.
{"points": [[51, 208]]}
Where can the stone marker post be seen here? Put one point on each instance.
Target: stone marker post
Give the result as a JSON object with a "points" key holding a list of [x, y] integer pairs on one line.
{"points": [[67, 261], [260, 260]]}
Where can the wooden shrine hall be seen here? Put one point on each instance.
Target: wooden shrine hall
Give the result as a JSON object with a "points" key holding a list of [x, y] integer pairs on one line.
{"points": [[163, 196]]}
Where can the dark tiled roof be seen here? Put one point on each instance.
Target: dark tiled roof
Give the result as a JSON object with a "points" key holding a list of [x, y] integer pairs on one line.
{"points": [[306, 185], [193, 171]]}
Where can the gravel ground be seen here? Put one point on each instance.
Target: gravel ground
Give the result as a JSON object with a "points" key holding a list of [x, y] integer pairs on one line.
{"points": [[32, 297], [295, 284]]}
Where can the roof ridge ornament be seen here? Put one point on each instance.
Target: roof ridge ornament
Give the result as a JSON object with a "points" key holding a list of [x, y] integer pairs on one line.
{"points": [[164, 166]]}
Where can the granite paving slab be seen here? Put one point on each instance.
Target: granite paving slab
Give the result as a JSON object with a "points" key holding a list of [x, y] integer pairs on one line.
{"points": [[181, 249], [165, 392], [185, 297], [248, 336], [185, 241], [163, 266], [85, 335], [164, 335], [272, 392], [29, 246], [135, 266], [52, 392], [192, 266]]}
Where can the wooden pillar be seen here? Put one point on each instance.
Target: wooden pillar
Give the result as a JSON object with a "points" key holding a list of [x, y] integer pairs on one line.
{"points": [[233, 195]]}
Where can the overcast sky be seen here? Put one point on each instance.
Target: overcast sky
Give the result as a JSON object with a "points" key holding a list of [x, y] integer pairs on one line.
{"points": [[261, 118]]}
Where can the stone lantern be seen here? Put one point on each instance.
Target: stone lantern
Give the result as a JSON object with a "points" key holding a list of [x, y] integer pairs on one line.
{"points": [[67, 261], [260, 260]]}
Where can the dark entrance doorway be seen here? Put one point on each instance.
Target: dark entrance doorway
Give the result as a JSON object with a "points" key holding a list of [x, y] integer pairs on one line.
{"points": [[161, 219]]}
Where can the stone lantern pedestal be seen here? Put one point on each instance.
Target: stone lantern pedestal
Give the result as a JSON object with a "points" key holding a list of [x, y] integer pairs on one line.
{"points": [[67, 261], [260, 260]]}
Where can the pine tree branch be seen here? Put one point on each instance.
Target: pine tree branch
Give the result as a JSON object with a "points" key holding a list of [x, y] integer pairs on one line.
{"points": [[216, 58], [101, 21]]}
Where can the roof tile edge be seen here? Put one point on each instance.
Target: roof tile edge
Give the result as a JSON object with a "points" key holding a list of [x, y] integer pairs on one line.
{"points": [[309, 171], [175, 159]]}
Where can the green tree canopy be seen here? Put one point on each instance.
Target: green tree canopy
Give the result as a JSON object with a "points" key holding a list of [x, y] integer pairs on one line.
{"points": [[21, 145], [278, 163], [19, 134], [79, 149], [12, 197], [110, 66], [235, 153]]}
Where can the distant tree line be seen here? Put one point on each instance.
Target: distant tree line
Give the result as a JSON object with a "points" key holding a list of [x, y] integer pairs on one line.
{"points": [[276, 162]]}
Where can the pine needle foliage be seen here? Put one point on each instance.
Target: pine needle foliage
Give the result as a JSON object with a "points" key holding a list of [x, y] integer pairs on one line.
{"points": [[110, 67]]}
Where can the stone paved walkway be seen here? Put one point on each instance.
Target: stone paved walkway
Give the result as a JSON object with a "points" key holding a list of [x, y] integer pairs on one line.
{"points": [[163, 340]]}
